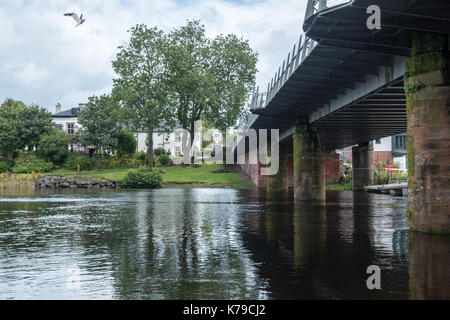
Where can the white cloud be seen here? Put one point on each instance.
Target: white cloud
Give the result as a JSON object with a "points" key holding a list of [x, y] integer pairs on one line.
{"points": [[45, 60]]}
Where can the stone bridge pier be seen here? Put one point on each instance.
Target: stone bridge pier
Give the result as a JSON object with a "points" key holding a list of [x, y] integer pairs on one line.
{"points": [[427, 86], [362, 162]]}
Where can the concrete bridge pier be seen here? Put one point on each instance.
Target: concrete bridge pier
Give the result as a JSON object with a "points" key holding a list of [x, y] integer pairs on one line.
{"points": [[427, 86], [279, 181], [362, 159], [309, 169]]}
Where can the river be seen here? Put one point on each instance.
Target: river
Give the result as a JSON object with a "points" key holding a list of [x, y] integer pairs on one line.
{"points": [[213, 244]]}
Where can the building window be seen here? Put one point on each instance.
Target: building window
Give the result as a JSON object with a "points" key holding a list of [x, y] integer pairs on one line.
{"points": [[178, 137], [378, 141], [59, 126], [177, 151], [71, 128]]}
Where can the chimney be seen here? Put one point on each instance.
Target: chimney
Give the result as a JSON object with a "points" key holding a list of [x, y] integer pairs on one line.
{"points": [[58, 108]]}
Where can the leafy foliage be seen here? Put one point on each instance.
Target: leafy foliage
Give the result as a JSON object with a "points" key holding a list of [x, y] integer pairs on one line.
{"points": [[209, 78], [126, 142], [124, 161], [99, 120], [29, 163], [21, 126], [74, 160], [5, 166], [165, 160], [141, 178], [160, 151], [141, 86], [53, 146]]}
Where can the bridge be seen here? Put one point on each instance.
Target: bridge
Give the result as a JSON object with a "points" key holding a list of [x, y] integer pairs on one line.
{"points": [[344, 84]]}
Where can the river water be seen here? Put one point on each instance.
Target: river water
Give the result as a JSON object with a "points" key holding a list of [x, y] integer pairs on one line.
{"points": [[213, 244]]}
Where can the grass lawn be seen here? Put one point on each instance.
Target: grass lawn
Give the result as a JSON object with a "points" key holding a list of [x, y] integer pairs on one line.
{"points": [[174, 176]]}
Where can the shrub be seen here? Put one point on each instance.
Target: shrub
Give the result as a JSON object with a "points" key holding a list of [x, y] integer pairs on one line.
{"points": [[5, 166], [123, 161], [159, 151], [141, 156], [75, 160], [165, 161], [29, 163], [141, 178], [53, 146]]}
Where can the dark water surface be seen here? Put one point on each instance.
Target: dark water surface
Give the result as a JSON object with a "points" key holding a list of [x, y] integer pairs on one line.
{"points": [[214, 244]]}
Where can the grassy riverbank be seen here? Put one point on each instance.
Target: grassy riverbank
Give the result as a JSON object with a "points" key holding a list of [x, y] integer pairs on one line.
{"points": [[203, 176], [17, 181]]}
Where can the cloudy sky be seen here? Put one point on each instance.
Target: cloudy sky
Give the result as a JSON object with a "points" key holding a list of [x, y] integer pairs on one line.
{"points": [[45, 60]]}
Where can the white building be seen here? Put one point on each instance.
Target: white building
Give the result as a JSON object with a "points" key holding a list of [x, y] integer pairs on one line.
{"points": [[171, 141]]}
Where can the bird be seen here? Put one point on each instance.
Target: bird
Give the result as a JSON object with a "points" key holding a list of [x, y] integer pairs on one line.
{"points": [[78, 19]]}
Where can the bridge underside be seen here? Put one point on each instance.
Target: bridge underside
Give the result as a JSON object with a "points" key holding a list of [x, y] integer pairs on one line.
{"points": [[350, 84], [347, 88]]}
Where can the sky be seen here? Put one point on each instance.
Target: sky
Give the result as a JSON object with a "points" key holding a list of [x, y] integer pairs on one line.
{"points": [[45, 60]]}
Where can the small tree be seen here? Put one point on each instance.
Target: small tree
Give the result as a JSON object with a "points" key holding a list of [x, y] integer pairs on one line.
{"points": [[126, 142], [21, 126], [53, 146], [100, 123], [142, 84]]}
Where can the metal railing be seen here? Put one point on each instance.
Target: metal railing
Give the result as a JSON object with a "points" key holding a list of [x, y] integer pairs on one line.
{"points": [[299, 52], [295, 57], [315, 6]]}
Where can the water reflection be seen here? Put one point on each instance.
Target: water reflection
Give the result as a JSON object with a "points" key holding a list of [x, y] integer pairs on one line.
{"points": [[214, 244]]}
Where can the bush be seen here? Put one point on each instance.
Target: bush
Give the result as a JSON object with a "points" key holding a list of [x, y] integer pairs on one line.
{"points": [[53, 146], [165, 161], [29, 163], [141, 178], [141, 156], [75, 160], [123, 161], [159, 151], [5, 166]]}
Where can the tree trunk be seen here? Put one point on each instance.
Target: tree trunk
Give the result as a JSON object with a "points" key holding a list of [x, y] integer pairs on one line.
{"points": [[192, 133], [150, 148]]}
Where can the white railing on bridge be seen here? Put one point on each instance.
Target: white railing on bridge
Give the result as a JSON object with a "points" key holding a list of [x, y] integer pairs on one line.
{"points": [[315, 6], [299, 52], [294, 58]]}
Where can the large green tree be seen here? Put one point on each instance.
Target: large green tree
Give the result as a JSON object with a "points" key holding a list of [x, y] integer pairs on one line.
{"points": [[21, 126], [100, 123], [210, 79], [141, 85]]}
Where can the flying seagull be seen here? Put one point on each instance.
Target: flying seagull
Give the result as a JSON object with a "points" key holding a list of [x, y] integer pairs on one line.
{"points": [[78, 19]]}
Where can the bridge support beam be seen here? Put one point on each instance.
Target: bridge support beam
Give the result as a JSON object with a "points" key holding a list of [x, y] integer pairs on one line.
{"points": [[309, 169], [362, 162], [427, 86]]}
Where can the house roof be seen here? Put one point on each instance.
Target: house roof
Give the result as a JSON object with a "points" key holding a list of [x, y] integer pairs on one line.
{"points": [[71, 113]]}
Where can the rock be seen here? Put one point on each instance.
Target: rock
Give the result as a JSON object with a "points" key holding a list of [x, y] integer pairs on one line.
{"points": [[73, 183]]}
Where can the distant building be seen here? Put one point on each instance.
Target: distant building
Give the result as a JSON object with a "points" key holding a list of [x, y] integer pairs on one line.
{"points": [[390, 150], [67, 121], [170, 140]]}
